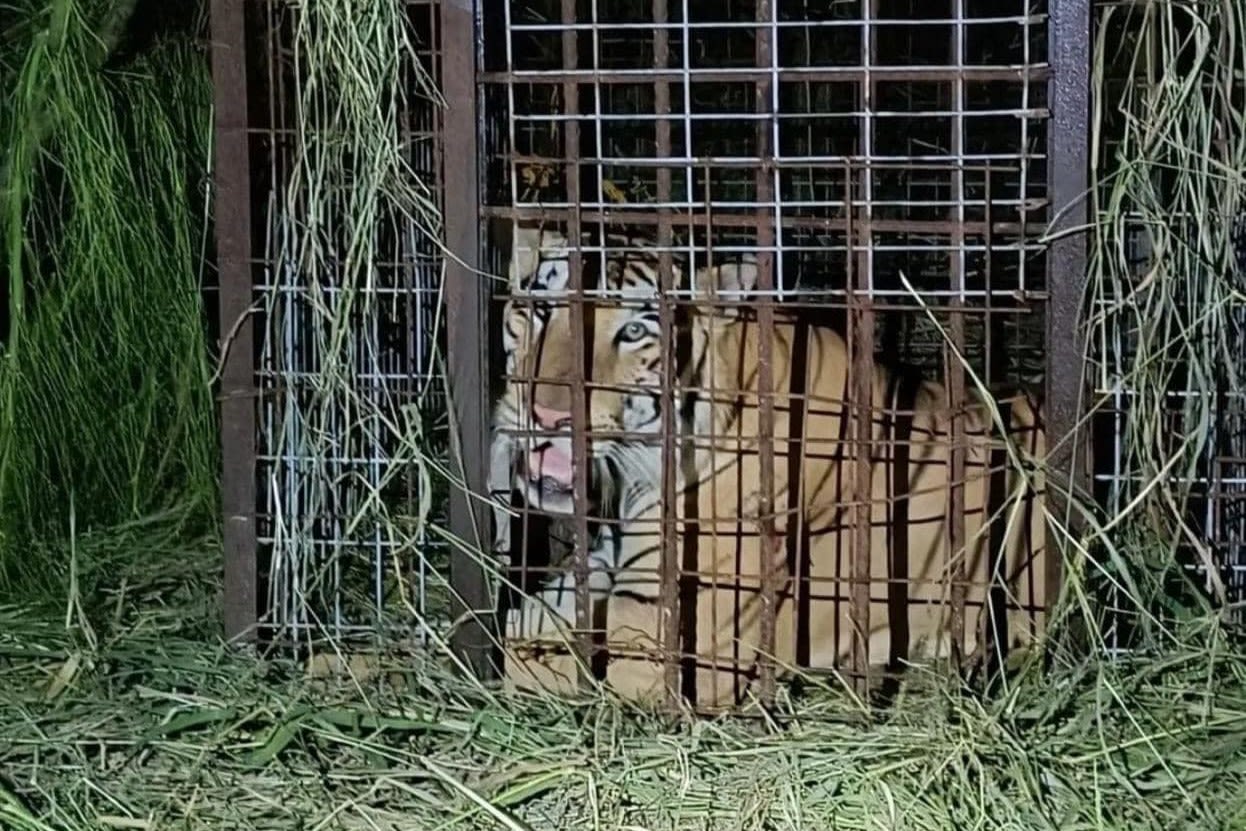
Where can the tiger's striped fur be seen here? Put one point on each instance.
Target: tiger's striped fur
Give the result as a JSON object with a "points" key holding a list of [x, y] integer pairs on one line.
{"points": [[718, 483]]}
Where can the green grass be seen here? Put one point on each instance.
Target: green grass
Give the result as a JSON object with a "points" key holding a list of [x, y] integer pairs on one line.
{"points": [[108, 416], [139, 722], [119, 710], [1170, 142], [351, 191]]}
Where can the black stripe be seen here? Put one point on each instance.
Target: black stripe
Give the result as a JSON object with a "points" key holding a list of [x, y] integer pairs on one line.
{"points": [[690, 560], [799, 566], [996, 635], [837, 521], [649, 506], [902, 390], [640, 555], [1030, 497]]}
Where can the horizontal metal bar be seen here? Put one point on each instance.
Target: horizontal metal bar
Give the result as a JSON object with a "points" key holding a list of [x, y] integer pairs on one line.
{"points": [[1037, 72], [719, 117], [982, 163], [812, 300], [608, 27], [550, 211]]}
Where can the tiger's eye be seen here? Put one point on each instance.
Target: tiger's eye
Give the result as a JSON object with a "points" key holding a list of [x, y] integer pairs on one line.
{"points": [[632, 331]]}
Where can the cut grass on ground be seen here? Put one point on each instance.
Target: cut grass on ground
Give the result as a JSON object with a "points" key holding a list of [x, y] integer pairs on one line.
{"points": [[152, 729]]}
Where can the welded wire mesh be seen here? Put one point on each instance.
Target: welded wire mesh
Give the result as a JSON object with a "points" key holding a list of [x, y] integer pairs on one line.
{"points": [[352, 408], [1166, 381]]}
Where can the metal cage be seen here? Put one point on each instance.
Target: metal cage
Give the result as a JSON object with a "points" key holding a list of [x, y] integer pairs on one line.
{"points": [[1210, 489], [890, 167]]}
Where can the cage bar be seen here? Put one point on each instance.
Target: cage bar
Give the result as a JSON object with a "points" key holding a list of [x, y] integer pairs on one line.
{"points": [[955, 371], [580, 423], [766, 283], [1068, 168], [466, 301], [670, 567], [233, 255], [861, 363]]}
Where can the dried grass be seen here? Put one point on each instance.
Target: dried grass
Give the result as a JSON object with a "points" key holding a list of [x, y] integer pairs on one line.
{"points": [[153, 729]]}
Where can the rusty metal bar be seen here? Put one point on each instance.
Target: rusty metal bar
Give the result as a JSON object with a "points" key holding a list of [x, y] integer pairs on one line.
{"points": [[1068, 150], [862, 370], [996, 364], [907, 164], [234, 252], [692, 540], [580, 421], [764, 102], [527, 528], [466, 297], [955, 372], [861, 375], [747, 220], [669, 570], [846, 74]]}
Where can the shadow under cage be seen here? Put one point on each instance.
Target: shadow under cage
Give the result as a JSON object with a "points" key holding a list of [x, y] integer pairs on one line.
{"points": [[818, 222]]}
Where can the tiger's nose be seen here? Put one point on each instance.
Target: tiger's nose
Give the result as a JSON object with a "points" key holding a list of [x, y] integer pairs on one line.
{"points": [[550, 419]]}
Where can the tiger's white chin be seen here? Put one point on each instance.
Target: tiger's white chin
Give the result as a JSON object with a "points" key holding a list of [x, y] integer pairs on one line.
{"points": [[543, 497]]}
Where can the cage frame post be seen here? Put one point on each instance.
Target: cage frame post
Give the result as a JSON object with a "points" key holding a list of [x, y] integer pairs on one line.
{"points": [[237, 395], [466, 297], [673, 625], [858, 409], [767, 281], [581, 357], [1068, 170]]}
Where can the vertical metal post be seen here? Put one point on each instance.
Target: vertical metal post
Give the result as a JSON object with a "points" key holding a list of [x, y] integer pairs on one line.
{"points": [[233, 252], [1068, 165], [766, 282], [669, 566], [953, 369], [859, 408], [861, 363], [466, 297], [582, 339]]}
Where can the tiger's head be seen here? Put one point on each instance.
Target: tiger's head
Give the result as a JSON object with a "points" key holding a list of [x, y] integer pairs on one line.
{"points": [[623, 372]]}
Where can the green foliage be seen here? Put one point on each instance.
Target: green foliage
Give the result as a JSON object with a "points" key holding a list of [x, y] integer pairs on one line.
{"points": [[104, 381], [1164, 291], [154, 730]]}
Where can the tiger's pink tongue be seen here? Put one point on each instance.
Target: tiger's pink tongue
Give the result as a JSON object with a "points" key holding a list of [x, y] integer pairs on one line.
{"points": [[551, 461]]}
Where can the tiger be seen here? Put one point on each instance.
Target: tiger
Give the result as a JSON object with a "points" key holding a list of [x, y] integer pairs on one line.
{"points": [[717, 485]]}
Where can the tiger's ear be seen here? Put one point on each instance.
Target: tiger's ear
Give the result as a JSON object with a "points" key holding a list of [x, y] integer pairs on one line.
{"points": [[730, 281], [528, 244]]}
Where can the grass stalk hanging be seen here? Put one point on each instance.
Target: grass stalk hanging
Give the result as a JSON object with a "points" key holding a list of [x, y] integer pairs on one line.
{"points": [[350, 199], [103, 386], [1167, 334]]}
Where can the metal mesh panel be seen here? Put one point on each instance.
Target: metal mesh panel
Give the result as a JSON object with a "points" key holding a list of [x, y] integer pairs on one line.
{"points": [[848, 146], [1210, 487], [347, 410], [1212, 492], [1228, 514]]}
